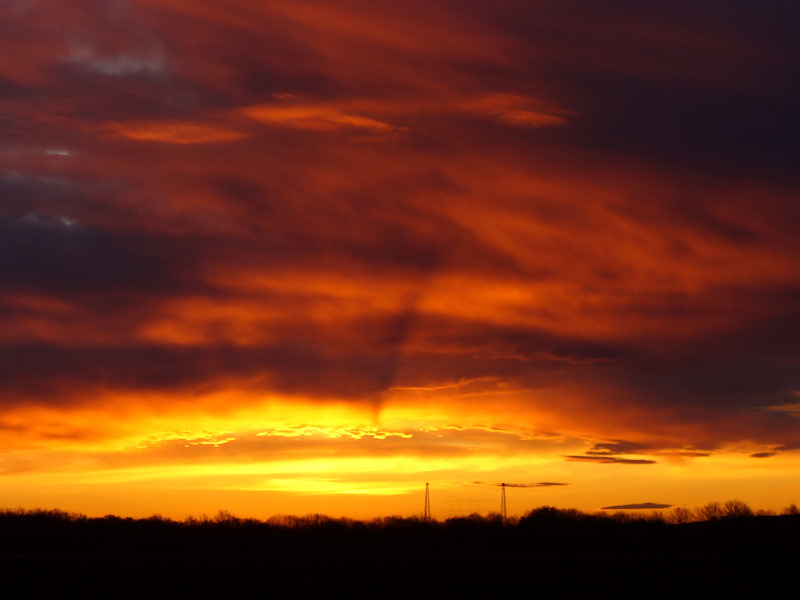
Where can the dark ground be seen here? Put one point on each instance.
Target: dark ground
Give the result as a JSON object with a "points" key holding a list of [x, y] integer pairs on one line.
{"points": [[52, 555]]}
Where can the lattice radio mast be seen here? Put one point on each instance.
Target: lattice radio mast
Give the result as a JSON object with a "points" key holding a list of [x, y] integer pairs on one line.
{"points": [[503, 486], [427, 516]]}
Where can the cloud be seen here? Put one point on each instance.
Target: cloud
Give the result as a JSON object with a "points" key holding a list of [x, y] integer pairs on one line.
{"points": [[514, 110], [315, 118], [283, 368], [616, 447], [640, 506], [121, 65], [55, 253], [175, 132], [611, 460], [526, 118], [522, 485]]}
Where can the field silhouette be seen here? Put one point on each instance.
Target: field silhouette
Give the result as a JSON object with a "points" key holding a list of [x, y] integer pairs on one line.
{"points": [[721, 550]]}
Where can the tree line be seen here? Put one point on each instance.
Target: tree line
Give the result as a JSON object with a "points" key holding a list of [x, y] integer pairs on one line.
{"points": [[542, 529]]}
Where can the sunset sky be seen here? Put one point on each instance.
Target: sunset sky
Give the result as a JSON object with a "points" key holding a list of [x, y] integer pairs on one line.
{"points": [[290, 256]]}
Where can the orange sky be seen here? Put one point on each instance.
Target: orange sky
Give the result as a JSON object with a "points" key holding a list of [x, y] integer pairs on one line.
{"points": [[291, 257]]}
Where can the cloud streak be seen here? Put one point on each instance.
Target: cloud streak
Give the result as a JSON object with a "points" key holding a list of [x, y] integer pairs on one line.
{"points": [[611, 460], [639, 506], [521, 485]]}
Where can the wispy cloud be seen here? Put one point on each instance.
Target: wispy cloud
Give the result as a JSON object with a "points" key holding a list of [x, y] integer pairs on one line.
{"points": [[521, 485], [175, 132], [318, 117]]}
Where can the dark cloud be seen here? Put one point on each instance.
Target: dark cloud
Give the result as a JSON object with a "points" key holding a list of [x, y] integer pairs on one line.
{"points": [[639, 506], [737, 134], [58, 374], [683, 86], [617, 447], [610, 460], [55, 254], [522, 485]]}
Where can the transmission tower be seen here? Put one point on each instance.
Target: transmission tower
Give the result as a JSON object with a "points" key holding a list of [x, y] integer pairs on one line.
{"points": [[427, 516], [503, 486]]}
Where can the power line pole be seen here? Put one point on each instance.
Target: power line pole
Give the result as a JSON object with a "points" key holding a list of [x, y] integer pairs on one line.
{"points": [[503, 512], [427, 516]]}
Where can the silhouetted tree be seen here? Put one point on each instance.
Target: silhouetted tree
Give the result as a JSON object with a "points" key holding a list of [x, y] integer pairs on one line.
{"points": [[681, 514], [711, 511], [736, 509], [223, 516]]}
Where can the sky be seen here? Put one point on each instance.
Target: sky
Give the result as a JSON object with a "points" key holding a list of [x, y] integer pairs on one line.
{"points": [[304, 256]]}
